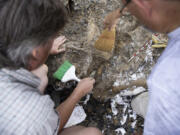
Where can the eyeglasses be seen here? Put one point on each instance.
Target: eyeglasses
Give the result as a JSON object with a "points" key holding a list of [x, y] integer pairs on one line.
{"points": [[124, 6]]}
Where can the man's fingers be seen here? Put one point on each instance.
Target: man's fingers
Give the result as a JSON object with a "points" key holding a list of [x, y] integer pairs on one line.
{"points": [[45, 67], [61, 50], [61, 39], [60, 42], [58, 45], [91, 79]]}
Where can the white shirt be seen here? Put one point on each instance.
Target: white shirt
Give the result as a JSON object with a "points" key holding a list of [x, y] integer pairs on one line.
{"points": [[163, 115]]}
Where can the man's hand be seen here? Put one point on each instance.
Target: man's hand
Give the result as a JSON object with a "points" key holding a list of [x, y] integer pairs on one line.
{"points": [[65, 109], [57, 45], [111, 19], [41, 72], [84, 87]]}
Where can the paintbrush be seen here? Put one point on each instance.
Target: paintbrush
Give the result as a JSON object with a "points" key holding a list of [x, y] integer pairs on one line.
{"points": [[106, 41], [66, 72]]}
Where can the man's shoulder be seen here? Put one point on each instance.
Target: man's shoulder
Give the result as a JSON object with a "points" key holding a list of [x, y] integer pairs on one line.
{"points": [[20, 109], [20, 98], [27, 114], [168, 64], [165, 73]]}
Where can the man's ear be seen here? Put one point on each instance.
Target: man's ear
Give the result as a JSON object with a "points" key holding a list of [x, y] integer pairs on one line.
{"points": [[144, 5], [34, 54], [33, 59]]}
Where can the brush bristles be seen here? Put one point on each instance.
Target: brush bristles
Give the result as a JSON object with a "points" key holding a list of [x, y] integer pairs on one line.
{"points": [[106, 41], [62, 70]]}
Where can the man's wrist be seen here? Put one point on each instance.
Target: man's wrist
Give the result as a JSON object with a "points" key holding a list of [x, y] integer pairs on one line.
{"points": [[76, 95]]}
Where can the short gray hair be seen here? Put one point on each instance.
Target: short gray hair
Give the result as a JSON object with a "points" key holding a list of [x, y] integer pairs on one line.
{"points": [[26, 24], [22, 53]]}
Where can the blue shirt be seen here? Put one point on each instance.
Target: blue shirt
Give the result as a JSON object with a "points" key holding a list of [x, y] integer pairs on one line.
{"points": [[163, 115]]}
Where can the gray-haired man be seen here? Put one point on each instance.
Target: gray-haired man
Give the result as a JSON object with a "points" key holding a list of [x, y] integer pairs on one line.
{"points": [[27, 32]]}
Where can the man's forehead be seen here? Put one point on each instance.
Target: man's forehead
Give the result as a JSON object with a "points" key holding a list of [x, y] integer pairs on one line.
{"points": [[171, 0]]}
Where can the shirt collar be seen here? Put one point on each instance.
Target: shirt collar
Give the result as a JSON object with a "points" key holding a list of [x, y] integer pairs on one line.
{"points": [[24, 76], [174, 34]]}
